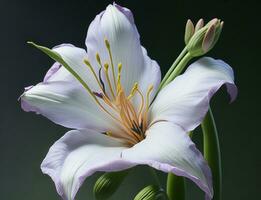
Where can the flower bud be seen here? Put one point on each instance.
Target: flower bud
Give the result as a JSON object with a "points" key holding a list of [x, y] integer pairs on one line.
{"points": [[205, 37], [199, 25], [151, 192], [189, 31], [108, 183]]}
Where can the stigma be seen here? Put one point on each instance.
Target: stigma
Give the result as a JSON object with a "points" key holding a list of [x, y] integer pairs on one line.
{"points": [[114, 101]]}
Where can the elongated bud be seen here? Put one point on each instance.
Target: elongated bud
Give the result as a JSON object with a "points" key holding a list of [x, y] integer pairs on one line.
{"points": [[189, 31], [205, 37], [151, 192], [199, 25], [108, 183], [209, 38]]}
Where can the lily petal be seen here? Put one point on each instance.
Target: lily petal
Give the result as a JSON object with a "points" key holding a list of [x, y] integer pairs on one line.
{"points": [[168, 148], [62, 99], [79, 154], [116, 24], [185, 100], [74, 57]]}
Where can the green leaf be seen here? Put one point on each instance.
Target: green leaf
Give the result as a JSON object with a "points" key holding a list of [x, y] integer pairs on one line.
{"points": [[108, 183], [55, 56], [212, 152]]}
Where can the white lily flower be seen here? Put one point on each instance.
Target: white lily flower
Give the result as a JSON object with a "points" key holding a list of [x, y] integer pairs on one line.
{"points": [[116, 124]]}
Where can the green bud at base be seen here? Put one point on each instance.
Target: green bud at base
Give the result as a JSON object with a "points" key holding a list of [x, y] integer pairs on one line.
{"points": [[151, 192], [108, 183]]}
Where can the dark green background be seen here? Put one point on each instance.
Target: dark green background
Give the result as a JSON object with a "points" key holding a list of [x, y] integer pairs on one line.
{"points": [[26, 137]]}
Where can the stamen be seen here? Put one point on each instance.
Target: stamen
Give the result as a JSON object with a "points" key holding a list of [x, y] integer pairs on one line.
{"points": [[85, 85], [98, 59], [142, 103], [119, 67], [132, 110], [125, 106], [112, 66], [106, 69], [127, 138], [134, 123], [147, 106], [148, 96], [127, 119], [109, 133], [133, 90], [119, 78], [94, 74]]}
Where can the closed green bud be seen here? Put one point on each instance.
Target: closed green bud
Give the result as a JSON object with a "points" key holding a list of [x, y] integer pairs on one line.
{"points": [[151, 192], [108, 183], [205, 37], [189, 31], [199, 25]]}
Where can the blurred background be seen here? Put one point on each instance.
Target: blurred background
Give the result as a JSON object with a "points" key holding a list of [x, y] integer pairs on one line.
{"points": [[26, 137]]}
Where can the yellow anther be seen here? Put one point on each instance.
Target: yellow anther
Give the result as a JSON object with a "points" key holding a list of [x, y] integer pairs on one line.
{"points": [[135, 87], [87, 63], [133, 90], [109, 133], [150, 89], [98, 59], [119, 68], [107, 43], [106, 67]]}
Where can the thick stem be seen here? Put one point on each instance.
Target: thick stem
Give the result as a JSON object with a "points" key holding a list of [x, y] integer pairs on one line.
{"points": [[179, 68], [155, 176], [212, 152], [176, 187], [173, 66]]}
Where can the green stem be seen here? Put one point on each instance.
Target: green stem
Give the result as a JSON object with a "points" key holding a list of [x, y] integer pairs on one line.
{"points": [[173, 66], [212, 152], [157, 180], [176, 187], [177, 71], [155, 176]]}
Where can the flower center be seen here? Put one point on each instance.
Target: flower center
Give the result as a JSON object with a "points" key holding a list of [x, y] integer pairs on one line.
{"points": [[119, 106]]}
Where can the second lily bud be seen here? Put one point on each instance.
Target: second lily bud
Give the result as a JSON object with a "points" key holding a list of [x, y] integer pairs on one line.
{"points": [[199, 38], [151, 192], [108, 183]]}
